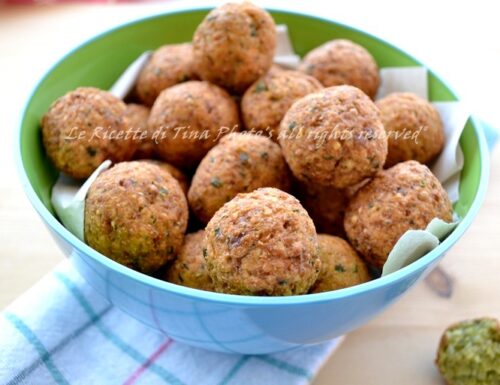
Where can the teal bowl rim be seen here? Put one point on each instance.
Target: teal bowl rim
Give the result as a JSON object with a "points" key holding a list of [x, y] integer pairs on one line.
{"points": [[240, 300]]}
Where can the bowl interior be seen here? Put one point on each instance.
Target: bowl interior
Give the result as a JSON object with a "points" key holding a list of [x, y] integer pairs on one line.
{"points": [[99, 63]]}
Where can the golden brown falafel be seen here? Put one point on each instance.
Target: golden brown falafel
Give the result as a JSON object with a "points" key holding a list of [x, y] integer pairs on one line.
{"points": [[84, 128], [169, 65], [189, 268], [340, 62], [188, 119], [241, 162], [414, 128], [234, 45], [341, 266], [406, 196], [267, 100], [333, 137], [262, 243], [136, 214]]}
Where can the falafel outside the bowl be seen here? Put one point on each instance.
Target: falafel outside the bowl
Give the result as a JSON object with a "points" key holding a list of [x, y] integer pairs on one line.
{"points": [[220, 321]]}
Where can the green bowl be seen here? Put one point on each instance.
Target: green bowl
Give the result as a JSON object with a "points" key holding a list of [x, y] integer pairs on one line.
{"points": [[264, 324]]}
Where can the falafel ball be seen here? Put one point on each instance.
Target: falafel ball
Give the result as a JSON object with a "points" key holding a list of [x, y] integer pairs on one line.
{"points": [[325, 205], [189, 268], [188, 119], [234, 45], [333, 137], [241, 162], [341, 266], [136, 214], [268, 99], [339, 62], [169, 65], [469, 353], [405, 197], [262, 243], [84, 128], [414, 128], [137, 116], [174, 171]]}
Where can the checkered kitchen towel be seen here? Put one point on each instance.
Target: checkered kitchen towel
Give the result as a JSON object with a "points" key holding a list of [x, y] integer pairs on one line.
{"points": [[62, 332]]}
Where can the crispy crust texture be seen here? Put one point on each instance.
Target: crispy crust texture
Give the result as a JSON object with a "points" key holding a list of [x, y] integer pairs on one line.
{"points": [[267, 100], [189, 268], [341, 266], [240, 163], [169, 65], [341, 62], [76, 131], [262, 243], [334, 137], [406, 196], [413, 126], [136, 214], [188, 119], [234, 45]]}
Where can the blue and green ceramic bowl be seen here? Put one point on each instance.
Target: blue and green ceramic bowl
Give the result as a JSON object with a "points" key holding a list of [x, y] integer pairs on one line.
{"points": [[222, 322]]}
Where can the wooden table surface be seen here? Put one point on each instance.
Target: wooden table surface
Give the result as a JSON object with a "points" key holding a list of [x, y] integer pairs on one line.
{"points": [[398, 347]]}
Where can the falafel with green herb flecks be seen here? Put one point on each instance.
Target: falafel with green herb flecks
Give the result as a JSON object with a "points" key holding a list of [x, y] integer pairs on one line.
{"points": [[188, 119], [343, 62], [414, 128], [234, 45], [190, 268], [333, 138], [341, 266], [267, 100], [241, 162], [84, 128], [262, 243], [404, 197], [169, 65], [136, 214]]}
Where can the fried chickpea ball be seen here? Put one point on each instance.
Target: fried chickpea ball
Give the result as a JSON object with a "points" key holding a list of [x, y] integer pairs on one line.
{"points": [[136, 214], [169, 65], [189, 268], [414, 128], [326, 207], [469, 353], [188, 119], [262, 243], [174, 171], [241, 162], [339, 62], [404, 197], [333, 138], [234, 45], [70, 131], [341, 266], [137, 116], [268, 99]]}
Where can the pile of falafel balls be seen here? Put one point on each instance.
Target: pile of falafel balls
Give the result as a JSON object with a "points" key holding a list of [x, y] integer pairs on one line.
{"points": [[241, 163]]}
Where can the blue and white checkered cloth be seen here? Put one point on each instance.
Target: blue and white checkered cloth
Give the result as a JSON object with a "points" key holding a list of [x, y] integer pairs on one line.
{"points": [[63, 332]]}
